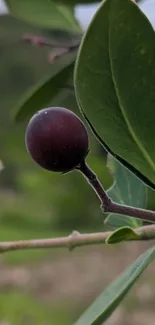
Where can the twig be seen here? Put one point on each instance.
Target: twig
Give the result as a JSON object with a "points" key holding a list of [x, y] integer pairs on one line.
{"points": [[95, 184], [42, 41], [107, 204], [59, 49], [74, 240]]}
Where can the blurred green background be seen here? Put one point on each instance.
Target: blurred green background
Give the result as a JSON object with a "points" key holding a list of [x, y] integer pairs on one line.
{"points": [[45, 287]]}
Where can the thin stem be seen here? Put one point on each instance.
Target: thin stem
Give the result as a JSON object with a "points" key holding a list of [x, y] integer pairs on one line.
{"points": [[74, 240], [42, 41], [107, 204], [95, 184], [147, 215], [59, 48]]}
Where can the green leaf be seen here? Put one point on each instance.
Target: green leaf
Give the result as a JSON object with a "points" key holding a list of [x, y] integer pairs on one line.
{"points": [[111, 297], [44, 13], [114, 79], [76, 2], [41, 94], [86, 1], [118, 220], [127, 190], [121, 234]]}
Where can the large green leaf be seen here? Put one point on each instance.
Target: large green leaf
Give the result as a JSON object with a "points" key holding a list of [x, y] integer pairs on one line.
{"points": [[127, 190], [44, 13], [115, 84], [46, 89], [111, 297]]}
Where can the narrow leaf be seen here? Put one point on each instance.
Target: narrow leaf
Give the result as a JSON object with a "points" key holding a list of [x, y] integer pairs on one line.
{"points": [[111, 297], [114, 79]]}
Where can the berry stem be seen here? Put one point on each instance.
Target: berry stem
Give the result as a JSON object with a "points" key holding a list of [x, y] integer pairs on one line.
{"points": [[93, 180], [107, 204]]}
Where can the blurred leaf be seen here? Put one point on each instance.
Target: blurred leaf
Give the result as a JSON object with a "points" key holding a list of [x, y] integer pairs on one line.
{"points": [[118, 220], [40, 95], [44, 13], [1, 165], [111, 297], [114, 79], [121, 234], [127, 190], [76, 2], [17, 307]]}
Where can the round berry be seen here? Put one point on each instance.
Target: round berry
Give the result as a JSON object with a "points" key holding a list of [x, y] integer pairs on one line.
{"points": [[57, 139]]}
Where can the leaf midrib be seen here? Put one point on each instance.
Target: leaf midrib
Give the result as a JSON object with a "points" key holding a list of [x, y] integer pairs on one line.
{"points": [[129, 127]]}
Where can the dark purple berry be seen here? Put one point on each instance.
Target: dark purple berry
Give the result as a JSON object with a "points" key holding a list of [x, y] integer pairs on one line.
{"points": [[57, 139]]}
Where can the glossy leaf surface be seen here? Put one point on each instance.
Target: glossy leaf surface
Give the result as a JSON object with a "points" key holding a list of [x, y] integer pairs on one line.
{"points": [[115, 84]]}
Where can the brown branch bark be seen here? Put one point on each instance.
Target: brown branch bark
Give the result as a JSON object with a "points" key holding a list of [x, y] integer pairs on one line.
{"points": [[107, 204]]}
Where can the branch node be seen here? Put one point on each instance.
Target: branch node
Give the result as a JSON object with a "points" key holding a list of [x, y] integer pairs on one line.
{"points": [[72, 237]]}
